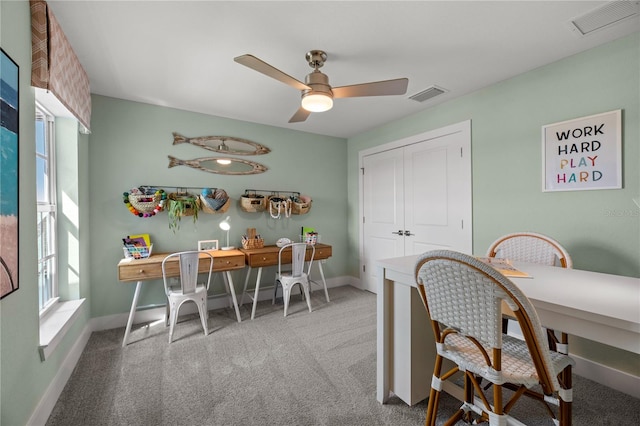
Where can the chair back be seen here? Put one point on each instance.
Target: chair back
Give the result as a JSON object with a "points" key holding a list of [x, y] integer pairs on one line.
{"points": [[189, 264], [463, 294], [530, 247], [298, 254]]}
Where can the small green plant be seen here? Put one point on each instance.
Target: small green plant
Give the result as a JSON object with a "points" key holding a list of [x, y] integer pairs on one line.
{"points": [[181, 205]]}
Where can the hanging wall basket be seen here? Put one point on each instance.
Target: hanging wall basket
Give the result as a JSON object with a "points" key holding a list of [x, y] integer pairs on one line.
{"points": [[144, 201], [301, 205], [253, 203], [181, 204], [214, 201]]}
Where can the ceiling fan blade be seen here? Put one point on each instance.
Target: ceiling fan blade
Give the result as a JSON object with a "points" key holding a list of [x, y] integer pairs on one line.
{"points": [[266, 69], [300, 115], [375, 88]]}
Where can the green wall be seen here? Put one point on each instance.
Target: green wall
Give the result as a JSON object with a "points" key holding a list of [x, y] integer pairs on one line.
{"points": [[23, 377], [601, 228], [129, 146]]}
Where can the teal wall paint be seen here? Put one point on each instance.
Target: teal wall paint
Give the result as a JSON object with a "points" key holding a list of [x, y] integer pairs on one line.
{"points": [[129, 146], [601, 229]]}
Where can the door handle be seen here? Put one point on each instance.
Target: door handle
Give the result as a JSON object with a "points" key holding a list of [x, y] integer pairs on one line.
{"points": [[399, 232], [408, 233]]}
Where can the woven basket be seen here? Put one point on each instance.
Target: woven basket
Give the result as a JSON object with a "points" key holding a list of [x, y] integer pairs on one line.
{"points": [[300, 208], [253, 203], [144, 203], [212, 205], [190, 208], [252, 243]]}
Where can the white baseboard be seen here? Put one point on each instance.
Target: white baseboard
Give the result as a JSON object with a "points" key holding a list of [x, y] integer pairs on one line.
{"points": [[599, 373], [214, 302], [48, 401], [607, 376]]}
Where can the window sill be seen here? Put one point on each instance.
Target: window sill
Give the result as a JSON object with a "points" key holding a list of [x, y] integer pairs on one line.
{"points": [[55, 324]]}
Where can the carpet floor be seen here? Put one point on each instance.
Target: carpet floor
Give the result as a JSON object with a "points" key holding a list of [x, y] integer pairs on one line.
{"points": [[314, 368]]}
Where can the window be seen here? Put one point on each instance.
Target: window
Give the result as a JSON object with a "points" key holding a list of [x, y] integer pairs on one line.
{"points": [[46, 217]]}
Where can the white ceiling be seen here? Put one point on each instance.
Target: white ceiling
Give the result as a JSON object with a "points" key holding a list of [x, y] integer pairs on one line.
{"points": [[180, 54]]}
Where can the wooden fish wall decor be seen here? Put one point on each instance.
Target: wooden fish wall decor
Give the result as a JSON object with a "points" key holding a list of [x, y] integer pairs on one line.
{"points": [[222, 166], [223, 144]]}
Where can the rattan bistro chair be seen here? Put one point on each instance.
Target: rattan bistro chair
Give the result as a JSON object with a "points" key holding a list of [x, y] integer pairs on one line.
{"points": [[534, 248], [530, 247], [463, 298], [189, 289]]}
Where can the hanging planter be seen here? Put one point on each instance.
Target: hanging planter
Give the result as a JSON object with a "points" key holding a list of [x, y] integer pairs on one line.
{"points": [[181, 204]]}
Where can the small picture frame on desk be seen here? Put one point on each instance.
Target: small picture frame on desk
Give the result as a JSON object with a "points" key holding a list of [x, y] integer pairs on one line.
{"points": [[208, 245]]}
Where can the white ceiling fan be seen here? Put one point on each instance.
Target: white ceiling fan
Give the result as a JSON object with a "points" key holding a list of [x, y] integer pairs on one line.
{"points": [[317, 94]]}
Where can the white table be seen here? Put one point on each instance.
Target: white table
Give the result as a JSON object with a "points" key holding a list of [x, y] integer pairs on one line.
{"points": [[600, 307]]}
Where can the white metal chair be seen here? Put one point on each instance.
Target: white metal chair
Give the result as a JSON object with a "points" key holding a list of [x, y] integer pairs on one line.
{"points": [[297, 275], [463, 298], [189, 289], [534, 248]]}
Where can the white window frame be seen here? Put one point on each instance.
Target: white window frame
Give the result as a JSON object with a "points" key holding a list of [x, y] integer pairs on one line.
{"points": [[49, 208]]}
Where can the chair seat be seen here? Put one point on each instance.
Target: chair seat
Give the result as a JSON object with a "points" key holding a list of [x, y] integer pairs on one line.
{"points": [[177, 291], [517, 366], [295, 275]]}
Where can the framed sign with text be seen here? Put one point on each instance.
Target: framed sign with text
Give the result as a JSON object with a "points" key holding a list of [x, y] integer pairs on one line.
{"points": [[582, 154]]}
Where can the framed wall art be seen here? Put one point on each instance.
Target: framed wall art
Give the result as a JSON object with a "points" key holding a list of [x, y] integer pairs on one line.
{"points": [[9, 151], [584, 153]]}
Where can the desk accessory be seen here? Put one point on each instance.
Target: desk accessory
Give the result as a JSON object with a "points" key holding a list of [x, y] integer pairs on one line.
{"points": [[252, 240], [225, 225]]}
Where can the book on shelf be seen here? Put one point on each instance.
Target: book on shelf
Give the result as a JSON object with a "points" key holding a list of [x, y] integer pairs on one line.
{"points": [[144, 238], [504, 266]]}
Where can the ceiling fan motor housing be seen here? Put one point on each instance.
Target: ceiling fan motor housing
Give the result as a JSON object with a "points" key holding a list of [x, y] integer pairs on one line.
{"points": [[318, 82]]}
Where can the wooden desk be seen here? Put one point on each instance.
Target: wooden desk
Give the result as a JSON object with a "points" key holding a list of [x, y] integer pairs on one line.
{"points": [[141, 270], [268, 256], [601, 307]]}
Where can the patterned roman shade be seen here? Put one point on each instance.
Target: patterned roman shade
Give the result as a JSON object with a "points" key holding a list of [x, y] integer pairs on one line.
{"points": [[55, 66]]}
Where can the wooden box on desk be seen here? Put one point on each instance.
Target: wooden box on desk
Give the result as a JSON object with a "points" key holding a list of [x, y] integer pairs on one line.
{"points": [[268, 255], [151, 267]]}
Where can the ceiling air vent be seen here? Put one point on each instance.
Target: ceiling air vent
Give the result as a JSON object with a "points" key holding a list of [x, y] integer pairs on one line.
{"points": [[606, 15], [428, 93]]}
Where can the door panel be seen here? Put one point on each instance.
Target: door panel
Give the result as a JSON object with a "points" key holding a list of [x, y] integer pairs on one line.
{"points": [[383, 211], [437, 195], [423, 188]]}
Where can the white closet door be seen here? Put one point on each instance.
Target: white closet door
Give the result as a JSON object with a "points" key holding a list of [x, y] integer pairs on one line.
{"points": [[383, 205], [437, 195], [422, 189]]}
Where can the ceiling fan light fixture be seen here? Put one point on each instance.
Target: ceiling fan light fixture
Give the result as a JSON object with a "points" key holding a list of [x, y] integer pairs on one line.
{"points": [[317, 102], [223, 161]]}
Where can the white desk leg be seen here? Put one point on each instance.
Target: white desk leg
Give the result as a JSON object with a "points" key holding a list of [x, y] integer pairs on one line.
{"points": [[132, 313], [255, 294], [246, 281], [225, 278], [232, 289], [326, 292], [383, 367]]}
